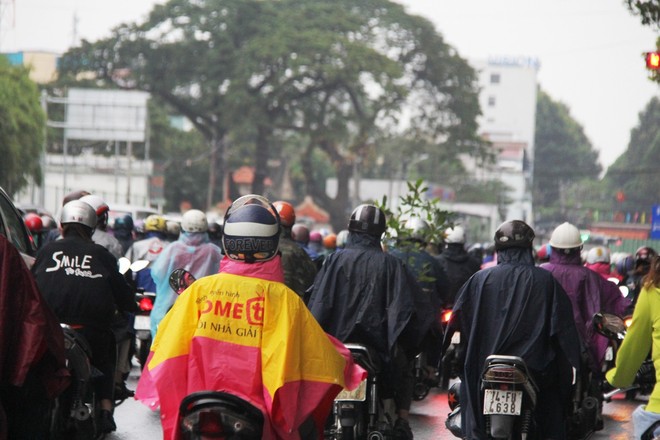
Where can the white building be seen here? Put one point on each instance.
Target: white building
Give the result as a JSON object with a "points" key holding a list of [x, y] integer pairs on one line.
{"points": [[117, 180], [508, 103]]}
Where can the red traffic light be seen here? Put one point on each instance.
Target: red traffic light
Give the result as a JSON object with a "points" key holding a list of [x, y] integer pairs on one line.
{"points": [[653, 60]]}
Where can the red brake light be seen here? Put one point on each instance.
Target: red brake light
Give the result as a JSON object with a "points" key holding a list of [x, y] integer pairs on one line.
{"points": [[446, 316], [210, 423], [146, 305]]}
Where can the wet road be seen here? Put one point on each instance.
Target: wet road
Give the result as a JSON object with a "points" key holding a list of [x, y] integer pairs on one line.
{"points": [[136, 421], [428, 418]]}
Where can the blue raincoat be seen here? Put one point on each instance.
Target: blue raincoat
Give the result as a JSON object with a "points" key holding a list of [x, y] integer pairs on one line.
{"points": [[194, 252]]}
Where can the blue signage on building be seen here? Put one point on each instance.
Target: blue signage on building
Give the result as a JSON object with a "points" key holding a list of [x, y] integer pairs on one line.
{"points": [[655, 223]]}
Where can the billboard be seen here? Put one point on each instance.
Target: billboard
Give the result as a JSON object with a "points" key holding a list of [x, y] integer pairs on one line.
{"points": [[655, 223], [106, 115]]}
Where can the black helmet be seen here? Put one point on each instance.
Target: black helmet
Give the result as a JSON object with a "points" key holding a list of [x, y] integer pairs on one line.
{"points": [[514, 233], [369, 219], [644, 255], [251, 229], [124, 222]]}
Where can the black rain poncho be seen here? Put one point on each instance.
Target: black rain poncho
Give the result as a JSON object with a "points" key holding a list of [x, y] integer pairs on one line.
{"points": [[515, 309], [362, 294]]}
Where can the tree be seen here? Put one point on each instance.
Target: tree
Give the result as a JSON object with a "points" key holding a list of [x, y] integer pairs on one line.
{"points": [[635, 173], [336, 76], [563, 156], [22, 125], [648, 11]]}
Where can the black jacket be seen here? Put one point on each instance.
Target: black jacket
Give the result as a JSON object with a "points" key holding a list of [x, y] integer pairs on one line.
{"points": [[459, 267], [517, 309], [364, 295], [81, 283]]}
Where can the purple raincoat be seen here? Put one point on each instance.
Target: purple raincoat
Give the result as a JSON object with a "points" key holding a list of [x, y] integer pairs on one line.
{"points": [[589, 293]]}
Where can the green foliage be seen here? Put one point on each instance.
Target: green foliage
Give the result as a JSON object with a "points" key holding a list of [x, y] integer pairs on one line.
{"points": [[22, 128], [342, 75], [412, 205], [635, 172], [563, 157], [647, 10]]}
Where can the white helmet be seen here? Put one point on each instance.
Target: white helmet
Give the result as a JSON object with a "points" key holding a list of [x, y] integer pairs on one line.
{"points": [[194, 220], [455, 235], [418, 229], [598, 254], [77, 211], [566, 236]]}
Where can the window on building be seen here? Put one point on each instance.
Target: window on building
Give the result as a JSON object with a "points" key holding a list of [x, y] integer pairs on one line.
{"points": [[494, 78], [491, 101]]}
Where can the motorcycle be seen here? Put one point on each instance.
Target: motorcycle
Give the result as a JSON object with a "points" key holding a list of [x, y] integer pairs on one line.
{"points": [[141, 320], [425, 378], [75, 412], [361, 413], [142, 325], [214, 414], [509, 396], [449, 367], [614, 329]]}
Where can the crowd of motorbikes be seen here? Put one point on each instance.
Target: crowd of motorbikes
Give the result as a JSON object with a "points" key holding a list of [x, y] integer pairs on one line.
{"points": [[509, 393]]}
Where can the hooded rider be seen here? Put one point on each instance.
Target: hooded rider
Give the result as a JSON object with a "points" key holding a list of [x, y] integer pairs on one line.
{"points": [[516, 309]]}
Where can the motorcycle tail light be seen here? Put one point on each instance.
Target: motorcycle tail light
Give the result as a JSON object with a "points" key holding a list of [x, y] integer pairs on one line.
{"points": [[205, 423], [146, 305], [628, 321], [446, 316], [504, 374]]}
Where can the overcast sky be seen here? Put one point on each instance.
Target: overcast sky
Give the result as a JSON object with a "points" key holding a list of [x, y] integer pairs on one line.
{"points": [[590, 50]]}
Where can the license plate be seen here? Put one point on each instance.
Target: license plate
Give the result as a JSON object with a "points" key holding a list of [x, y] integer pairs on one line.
{"points": [[502, 402], [142, 322], [360, 393], [456, 338]]}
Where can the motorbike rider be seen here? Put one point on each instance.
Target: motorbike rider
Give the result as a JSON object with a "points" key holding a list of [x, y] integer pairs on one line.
{"points": [[516, 309], [457, 263], [101, 235], [80, 281], [641, 338], [300, 234], [634, 279], [55, 234], [148, 248], [410, 247], [599, 260], [122, 229], [276, 356], [299, 269], [32, 349], [192, 251], [36, 227], [364, 295], [589, 292]]}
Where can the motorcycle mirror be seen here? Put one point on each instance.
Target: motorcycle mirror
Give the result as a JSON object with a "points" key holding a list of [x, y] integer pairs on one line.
{"points": [[180, 280], [124, 264], [625, 291], [608, 325], [138, 265]]}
